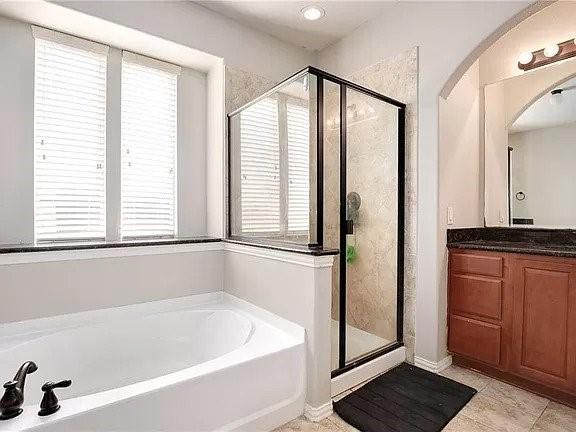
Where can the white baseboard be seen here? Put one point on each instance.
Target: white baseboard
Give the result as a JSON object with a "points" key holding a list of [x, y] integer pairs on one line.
{"points": [[434, 367], [369, 370], [317, 414]]}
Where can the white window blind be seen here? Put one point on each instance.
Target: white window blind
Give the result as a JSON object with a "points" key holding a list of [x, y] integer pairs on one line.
{"points": [[69, 142], [260, 168], [149, 139], [275, 200], [298, 167]]}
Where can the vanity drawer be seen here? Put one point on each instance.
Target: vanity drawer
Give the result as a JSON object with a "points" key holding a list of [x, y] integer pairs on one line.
{"points": [[485, 265], [475, 339], [476, 295]]}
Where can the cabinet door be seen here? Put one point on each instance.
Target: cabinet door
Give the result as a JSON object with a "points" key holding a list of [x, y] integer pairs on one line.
{"points": [[544, 335]]}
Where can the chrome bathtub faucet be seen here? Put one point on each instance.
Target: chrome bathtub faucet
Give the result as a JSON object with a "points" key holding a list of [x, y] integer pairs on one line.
{"points": [[13, 399]]}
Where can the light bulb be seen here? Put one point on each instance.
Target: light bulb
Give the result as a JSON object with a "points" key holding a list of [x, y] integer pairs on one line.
{"points": [[525, 58], [312, 13], [551, 50]]}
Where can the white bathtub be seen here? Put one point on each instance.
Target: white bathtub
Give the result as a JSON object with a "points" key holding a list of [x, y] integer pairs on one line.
{"points": [[201, 363]]}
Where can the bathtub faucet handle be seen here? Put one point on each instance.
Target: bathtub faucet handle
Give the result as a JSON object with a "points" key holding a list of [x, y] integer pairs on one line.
{"points": [[49, 404]]}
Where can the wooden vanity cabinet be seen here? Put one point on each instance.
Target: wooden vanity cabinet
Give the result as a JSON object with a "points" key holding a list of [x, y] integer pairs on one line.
{"points": [[480, 304], [544, 321], [514, 316]]}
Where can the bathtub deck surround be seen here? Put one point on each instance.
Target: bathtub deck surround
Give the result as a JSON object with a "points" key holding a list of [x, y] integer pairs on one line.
{"points": [[301, 295], [129, 375]]}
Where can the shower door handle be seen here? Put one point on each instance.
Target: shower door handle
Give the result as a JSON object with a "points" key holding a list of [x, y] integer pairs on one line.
{"points": [[349, 226]]}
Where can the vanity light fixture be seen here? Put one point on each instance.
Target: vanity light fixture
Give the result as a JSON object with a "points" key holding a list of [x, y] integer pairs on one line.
{"points": [[312, 13], [551, 54]]}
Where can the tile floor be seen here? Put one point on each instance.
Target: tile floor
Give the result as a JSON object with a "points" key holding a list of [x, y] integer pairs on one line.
{"points": [[497, 407]]}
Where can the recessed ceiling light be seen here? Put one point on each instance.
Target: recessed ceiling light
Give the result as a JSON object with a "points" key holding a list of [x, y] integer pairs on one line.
{"points": [[312, 13]]}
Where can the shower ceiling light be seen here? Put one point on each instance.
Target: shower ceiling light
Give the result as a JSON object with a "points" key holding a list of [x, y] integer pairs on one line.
{"points": [[312, 13]]}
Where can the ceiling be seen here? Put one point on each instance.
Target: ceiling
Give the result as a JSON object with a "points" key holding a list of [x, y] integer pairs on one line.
{"points": [[282, 19], [542, 114]]}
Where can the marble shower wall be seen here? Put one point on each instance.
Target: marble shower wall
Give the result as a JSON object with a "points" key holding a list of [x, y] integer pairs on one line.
{"points": [[242, 87]]}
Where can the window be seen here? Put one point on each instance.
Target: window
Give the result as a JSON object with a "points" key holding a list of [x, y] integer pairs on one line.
{"points": [[274, 167], [149, 136], [69, 140], [260, 168]]}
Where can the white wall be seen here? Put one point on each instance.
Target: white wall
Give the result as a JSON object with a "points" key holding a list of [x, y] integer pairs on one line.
{"points": [[445, 32], [54, 283], [16, 132], [460, 174], [543, 168], [192, 25], [192, 110], [496, 155]]}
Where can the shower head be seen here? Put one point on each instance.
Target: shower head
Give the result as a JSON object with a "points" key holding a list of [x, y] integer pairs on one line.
{"points": [[353, 203]]}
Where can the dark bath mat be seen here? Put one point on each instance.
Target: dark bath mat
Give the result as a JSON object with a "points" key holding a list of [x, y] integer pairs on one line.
{"points": [[405, 399]]}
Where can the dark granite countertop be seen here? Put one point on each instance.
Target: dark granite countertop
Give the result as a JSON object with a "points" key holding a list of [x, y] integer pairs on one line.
{"points": [[535, 241], [516, 247], [61, 246], [283, 246]]}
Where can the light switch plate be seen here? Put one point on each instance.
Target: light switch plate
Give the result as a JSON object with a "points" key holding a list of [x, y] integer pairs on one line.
{"points": [[450, 215]]}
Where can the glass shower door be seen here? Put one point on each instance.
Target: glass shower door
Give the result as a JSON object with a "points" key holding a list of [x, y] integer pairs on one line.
{"points": [[364, 219], [371, 221]]}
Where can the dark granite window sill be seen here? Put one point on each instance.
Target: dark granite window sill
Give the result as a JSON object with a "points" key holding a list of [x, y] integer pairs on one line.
{"points": [[282, 246], [90, 245], [62, 246]]}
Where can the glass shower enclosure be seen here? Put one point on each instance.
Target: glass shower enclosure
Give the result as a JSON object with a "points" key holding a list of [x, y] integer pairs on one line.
{"points": [[318, 163]]}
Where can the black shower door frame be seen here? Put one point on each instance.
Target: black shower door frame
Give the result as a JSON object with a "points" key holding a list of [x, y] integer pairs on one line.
{"points": [[321, 77]]}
